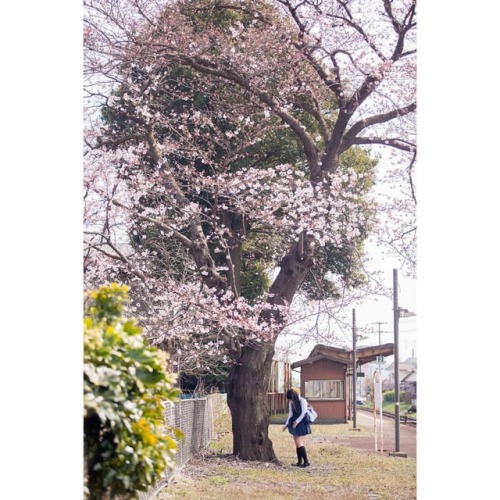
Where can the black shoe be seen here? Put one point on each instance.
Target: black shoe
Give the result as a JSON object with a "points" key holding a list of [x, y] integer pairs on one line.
{"points": [[305, 464], [298, 464]]}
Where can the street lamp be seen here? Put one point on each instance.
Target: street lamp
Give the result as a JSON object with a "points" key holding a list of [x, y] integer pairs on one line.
{"points": [[398, 313]]}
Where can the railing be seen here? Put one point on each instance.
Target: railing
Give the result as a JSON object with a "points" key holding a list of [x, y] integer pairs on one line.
{"points": [[197, 419], [404, 419]]}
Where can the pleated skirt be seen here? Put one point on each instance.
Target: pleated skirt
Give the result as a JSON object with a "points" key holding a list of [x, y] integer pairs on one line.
{"points": [[302, 428]]}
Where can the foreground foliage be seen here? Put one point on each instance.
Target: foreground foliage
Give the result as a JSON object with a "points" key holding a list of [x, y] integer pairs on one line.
{"points": [[125, 385]]}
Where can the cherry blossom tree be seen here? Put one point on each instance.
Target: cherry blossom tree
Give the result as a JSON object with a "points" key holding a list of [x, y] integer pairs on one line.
{"points": [[231, 141]]}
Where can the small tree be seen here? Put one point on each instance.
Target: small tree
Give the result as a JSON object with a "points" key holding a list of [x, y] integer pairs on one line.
{"points": [[125, 387]]}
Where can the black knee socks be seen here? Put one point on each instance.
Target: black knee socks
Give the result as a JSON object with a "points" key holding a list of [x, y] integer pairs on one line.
{"points": [[303, 454]]}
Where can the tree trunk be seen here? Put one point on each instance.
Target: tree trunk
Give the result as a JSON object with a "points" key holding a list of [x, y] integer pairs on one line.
{"points": [[248, 382], [247, 390]]}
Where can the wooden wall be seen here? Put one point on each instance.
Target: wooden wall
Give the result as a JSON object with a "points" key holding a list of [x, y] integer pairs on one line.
{"points": [[280, 382], [324, 369]]}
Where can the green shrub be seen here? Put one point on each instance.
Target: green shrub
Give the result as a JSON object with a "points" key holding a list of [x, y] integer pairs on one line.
{"points": [[388, 396], [127, 443]]}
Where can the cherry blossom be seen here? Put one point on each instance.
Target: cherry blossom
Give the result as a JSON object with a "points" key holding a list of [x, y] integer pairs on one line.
{"points": [[220, 148]]}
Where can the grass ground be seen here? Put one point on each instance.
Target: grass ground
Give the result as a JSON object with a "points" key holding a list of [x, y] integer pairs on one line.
{"points": [[337, 472]]}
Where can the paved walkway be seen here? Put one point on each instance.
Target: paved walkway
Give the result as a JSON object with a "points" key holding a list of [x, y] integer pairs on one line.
{"points": [[407, 435]]}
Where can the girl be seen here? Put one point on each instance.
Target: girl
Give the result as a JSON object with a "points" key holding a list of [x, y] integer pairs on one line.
{"points": [[298, 425]]}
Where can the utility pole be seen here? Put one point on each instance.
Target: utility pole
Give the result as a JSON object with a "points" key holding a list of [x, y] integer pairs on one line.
{"points": [[380, 392], [399, 312], [379, 332], [396, 356], [354, 368]]}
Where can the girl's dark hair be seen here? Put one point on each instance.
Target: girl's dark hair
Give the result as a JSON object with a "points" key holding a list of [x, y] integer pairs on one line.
{"points": [[291, 394]]}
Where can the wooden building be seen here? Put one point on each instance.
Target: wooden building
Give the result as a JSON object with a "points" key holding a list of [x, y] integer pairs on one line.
{"points": [[326, 378]]}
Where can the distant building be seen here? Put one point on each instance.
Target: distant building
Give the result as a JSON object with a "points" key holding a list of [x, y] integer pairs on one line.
{"points": [[409, 387], [405, 368]]}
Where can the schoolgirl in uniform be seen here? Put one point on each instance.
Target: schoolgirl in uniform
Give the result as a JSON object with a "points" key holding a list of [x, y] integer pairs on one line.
{"points": [[298, 425]]}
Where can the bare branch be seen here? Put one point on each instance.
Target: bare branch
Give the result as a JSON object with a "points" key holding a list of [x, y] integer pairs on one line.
{"points": [[392, 142], [360, 125]]}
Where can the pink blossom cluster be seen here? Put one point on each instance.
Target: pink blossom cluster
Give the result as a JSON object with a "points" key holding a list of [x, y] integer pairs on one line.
{"points": [[164, 154]]}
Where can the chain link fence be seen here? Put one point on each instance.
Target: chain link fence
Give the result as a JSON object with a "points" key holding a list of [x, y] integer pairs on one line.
{"points": [[198, 420]]}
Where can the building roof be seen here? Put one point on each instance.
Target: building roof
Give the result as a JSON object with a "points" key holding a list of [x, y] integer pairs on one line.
{"points": [[344, 356], [403, 366]]}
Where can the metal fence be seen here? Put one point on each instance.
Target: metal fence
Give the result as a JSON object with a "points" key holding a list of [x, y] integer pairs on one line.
{"points": [[197, 419]]}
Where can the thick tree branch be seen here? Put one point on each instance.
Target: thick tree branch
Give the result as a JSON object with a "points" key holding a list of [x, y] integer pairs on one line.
{"points": [[114, 143], [372, 81], [410, 171], [308, 144], [349, 21], [331, 157], [198, 246], [315, 112], [360, 125], [392, 142], [334, 85], [400, 28]]}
